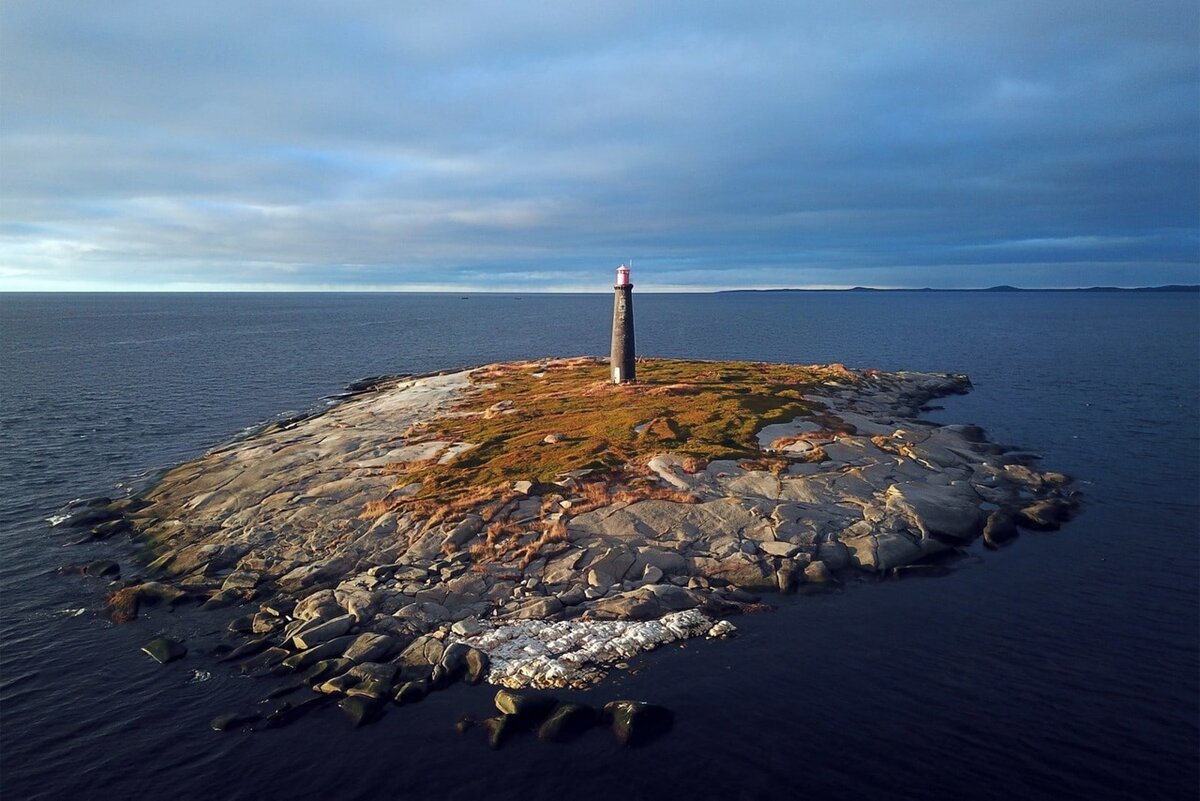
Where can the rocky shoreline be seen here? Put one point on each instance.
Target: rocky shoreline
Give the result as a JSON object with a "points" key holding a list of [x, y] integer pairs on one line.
{"points": [[366, 556]]}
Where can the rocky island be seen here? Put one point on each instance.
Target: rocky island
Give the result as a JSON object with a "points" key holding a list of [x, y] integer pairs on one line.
{"points": [[533, 524]]}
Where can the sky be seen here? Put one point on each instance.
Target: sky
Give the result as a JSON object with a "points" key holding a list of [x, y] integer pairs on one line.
{"points": [[525, 146]]}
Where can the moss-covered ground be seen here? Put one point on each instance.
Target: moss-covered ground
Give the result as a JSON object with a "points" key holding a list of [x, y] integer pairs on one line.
{"points": [[698, 409]]}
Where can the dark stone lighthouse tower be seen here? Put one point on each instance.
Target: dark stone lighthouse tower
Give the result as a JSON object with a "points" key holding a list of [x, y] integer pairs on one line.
{"points": [[622, 333]]}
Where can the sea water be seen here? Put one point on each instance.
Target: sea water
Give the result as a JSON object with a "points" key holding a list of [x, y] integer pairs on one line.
{"points": [[1062, 667]]}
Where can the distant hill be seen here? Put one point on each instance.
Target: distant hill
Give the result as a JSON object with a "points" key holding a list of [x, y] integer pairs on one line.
{"points": [[1002, 288]]}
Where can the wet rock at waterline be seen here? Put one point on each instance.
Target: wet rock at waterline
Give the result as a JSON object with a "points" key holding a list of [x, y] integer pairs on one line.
{"points": [[637, 723], [164, 650], [567, 722]]}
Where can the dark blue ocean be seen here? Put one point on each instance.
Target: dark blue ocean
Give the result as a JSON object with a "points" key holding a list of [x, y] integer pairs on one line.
{"points": [[1064, 667]]}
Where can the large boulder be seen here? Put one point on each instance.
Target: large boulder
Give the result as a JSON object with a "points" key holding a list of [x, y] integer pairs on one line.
{"points": [[745, 571], [949, 512], [1000, 529], [371, 647], [320, 604], [835, 555], [634, 605], [330, 649], [528, 707], [424, 650], [614, 562], [319, 631], [883, 551]]}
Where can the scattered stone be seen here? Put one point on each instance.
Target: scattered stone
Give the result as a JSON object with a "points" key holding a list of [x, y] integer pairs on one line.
{"points": [[722, 628]]}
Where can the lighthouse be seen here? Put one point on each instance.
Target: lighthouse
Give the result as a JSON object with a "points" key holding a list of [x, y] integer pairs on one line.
{"points": [[622, 329]]}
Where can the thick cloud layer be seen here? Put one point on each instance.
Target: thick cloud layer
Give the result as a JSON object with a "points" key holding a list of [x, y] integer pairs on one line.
{"points": [[531, 145]]}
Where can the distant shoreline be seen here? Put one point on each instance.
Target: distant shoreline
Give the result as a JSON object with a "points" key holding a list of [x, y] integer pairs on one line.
{"points": [[467, 293], [1166, 288]]}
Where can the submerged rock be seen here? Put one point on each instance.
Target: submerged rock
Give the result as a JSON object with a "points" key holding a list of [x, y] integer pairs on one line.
{"points": [[360, 710], [1045, 515], [233, 720], [411, 692], [567, 721], [529, 708], [105, 568], [164, 650], [500, 728], [287, 713], [636, 723]]}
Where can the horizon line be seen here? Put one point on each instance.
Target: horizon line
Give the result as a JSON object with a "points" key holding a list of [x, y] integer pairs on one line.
{"points": [[660, 290]]}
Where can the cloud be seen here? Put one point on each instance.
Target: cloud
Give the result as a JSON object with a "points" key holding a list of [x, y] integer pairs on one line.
{"points": [[528, 145]]}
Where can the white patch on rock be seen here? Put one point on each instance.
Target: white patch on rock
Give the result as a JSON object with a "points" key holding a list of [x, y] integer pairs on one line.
{"points": [[537, 653]]}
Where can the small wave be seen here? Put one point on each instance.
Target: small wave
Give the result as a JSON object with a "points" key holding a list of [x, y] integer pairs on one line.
{"points": [[54, 520], [198, 676], [72, 612]]}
